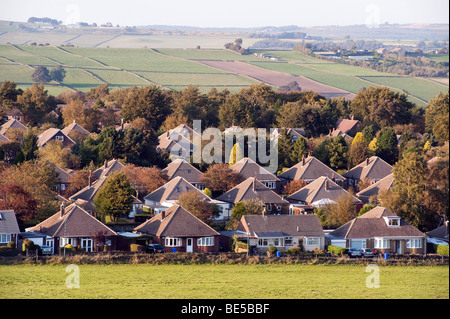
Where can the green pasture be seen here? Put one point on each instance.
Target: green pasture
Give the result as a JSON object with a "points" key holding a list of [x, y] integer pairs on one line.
{"points": [[296, 281], [15, 54], [421, 88]]}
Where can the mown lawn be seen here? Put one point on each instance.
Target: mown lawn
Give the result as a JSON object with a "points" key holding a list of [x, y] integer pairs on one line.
{"points": [[218, 281]]}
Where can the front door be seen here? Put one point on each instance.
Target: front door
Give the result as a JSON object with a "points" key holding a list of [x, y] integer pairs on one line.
{"points": [[189, 245], [399, 247]]}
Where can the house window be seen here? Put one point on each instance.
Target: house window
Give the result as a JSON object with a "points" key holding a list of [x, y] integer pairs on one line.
{"points": [[205, 241], [414, 243], [270, 185], [68, 241], [265, 242], [5, 238], [288, 241], [312, 241], [382, 243], [59, 138], [173, 242]]}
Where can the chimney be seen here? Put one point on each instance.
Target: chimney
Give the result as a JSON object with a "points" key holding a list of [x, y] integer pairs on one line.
{"points": [[90, 178], [163, 214], [367, 161], [303, 160], [106, 163], [264, 212], [353, 116], [333, 177], [62, 210], [121, 124], [327, 184]]}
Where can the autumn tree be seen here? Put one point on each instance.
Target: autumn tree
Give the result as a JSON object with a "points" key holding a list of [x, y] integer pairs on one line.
{"points": [[115, 197], [144, 179], [84, 116], [219, 178], [382, 106], [14, 197], [437, 117], [8, 94], [293, 186], [35, 104], [197, 205]]}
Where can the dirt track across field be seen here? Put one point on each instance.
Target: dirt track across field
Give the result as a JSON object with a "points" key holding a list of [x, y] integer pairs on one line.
{"points": [[277, 79]]}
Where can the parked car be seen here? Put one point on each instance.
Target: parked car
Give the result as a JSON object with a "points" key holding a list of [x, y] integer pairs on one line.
{"points": [[46, 250], [155, 248], [354, 252], [368, 252]]}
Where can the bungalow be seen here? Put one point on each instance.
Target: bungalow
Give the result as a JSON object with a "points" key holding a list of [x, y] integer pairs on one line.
{"points": [[283, 231], [55, 135], [179, 167], [249, 168], [11, 124], [348, 126], [372, 169], [75, 131], [75, 226], [382, 230], [309, 169], [64, 176], [177, 229], [9, 229], [373, 190], [100, 175], [338, 132], [178, 142], [251, 189], [168, 194], [320, 192]]}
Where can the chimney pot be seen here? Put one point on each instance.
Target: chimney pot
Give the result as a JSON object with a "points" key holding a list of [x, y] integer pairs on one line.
{"points": [[62, 210], [163, 214], [106, 163], [367, 161]]}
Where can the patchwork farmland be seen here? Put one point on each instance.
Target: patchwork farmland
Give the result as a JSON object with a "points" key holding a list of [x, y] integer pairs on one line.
{"points": [[175, 69]]}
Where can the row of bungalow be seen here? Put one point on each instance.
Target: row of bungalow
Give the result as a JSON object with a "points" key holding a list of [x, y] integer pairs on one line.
{"points": [[286, 221]]}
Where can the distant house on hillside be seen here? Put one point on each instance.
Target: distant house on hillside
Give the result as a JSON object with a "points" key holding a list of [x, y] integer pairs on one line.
{"points": [[252, 189], [12, 124], [318, 193], [373, 190], [181, 168], [248, 168], [348, 126], [54, 134], [309, 169], [178, 142], [372, 169]]}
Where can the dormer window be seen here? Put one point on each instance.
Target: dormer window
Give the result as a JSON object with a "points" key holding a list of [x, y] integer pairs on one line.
{"points": [[392, 221]]}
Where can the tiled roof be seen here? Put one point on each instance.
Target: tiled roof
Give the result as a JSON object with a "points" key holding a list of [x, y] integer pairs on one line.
{"points": [[250, 189], [289, 225], [310, 168], [373, 168], [373, 224], [249, 168], [180, 167], [177, 222], [75, 222], [320, 189], [8, 222], [374, 189]]}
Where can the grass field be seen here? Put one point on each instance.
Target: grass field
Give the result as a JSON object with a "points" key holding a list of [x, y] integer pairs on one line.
{"points": [[177, 68], [224, 281]]}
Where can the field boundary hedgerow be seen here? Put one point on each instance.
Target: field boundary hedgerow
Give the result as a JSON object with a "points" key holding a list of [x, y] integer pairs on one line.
{"points": [[180, 258]]}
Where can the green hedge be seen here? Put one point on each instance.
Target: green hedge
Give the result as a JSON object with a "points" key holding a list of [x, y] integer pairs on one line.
{"points": [[335, 250], [442, 250]]}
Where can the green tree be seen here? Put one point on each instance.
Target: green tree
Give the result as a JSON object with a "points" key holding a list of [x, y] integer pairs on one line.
{"points": [[41, 75], [29, 146], [147, 102], [35, 103], [115, 197], [8, 94], [299, 149], [387, 145], [437, 117], [58, 74], [337, 153]]}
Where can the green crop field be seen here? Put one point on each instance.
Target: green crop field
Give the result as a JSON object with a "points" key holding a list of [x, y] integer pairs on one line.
{"points": [[224, 281]]}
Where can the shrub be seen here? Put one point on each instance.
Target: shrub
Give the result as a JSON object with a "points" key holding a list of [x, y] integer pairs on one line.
{"points": [[27, 244], [335, 250], [442, 250], [318, 251], [295, 250], [11, 245], [137, 248]]}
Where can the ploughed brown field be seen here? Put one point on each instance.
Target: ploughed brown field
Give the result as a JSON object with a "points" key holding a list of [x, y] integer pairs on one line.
{"points": [[277, 78]]}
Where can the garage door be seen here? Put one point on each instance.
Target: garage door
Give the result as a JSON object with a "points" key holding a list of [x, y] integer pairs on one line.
{"points": [[358, 243]]}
